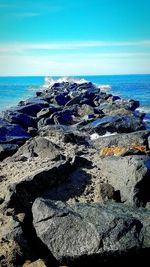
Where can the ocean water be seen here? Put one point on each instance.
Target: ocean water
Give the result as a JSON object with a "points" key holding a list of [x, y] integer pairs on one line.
{"points": [[14, 89]]}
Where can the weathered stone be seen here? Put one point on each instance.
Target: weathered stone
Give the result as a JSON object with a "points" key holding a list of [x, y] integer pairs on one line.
{"points": [[127, 139], [85, 110], [84, 230], [130, 176], [22, 193], [39, 147]]}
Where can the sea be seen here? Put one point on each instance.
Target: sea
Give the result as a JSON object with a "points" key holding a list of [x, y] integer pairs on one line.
{"points": [[137, 87]]}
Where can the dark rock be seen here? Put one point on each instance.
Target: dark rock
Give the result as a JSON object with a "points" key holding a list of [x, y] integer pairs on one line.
{"points": [[118, 123], [115, 97], [22, 194], [44, 122], [63, 117], [130, 176], [7, 150], [75, 100], [62, 99], [32, 131], [133, 104], [12, 133], [23, 120], [33, 101], [84, 230], [30, 109], [46, 112]]}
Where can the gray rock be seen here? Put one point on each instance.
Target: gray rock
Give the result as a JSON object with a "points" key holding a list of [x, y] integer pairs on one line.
{"points": [[129, 175], [122, 140], [22, 193], [84, 230], [39, 147]]}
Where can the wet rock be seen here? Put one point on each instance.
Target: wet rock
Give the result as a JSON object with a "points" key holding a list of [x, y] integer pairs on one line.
{"points": [[120, 124], [62, 99], [33, 101], [130, 176], [84, 230], [63, 117], [23, 120], [12, 133], [7, 150], [133, 105], [75, 100], [46, 112], [30, 109]]}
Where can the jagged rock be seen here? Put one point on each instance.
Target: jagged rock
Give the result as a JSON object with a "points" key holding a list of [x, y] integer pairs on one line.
{"points": [[22, 193], [62, 99], [23, 120], [118, 123], [39, 147], [14, 248], [46, 112], [12, 133], [124, 140], [30, 109], [130, 176], [85, 110], [84, 230]]}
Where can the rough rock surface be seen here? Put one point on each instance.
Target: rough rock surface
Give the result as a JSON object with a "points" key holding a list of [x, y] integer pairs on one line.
{"points": [[85, 229], [62, 170]]}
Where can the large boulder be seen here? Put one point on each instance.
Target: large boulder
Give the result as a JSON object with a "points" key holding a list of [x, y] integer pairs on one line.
{"points": [[22, 119], [129, 176], [85, 230], [12, 133], [124, 140], [39, 147], [30, 108], [118, 123]]}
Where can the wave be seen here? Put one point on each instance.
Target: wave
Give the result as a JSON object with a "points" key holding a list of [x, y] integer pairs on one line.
{"points": [[49, 81]]}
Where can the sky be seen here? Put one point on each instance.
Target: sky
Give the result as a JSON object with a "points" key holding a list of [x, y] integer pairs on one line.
{"points": [[81, 37]]}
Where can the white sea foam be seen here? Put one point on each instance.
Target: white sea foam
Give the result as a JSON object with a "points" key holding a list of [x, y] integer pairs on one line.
{"points": [[95, 136], [48, 81], [104, 87]]}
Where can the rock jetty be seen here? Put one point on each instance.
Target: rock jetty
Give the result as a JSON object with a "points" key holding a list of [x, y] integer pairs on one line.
{"points": [[74, 179]]}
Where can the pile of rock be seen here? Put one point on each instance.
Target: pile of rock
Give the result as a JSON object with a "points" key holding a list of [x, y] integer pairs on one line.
{"points": [[75, 177]]}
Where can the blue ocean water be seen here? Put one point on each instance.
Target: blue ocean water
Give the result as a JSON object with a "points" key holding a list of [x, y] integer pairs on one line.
{"points": [[14, 89]]}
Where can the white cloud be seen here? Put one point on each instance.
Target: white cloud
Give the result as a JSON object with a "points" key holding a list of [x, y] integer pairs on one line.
{"points": [[68, 45], [70, 64]]}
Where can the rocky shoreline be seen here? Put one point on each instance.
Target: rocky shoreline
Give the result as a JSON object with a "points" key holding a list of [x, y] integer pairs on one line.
{"points": [[74, 179]]}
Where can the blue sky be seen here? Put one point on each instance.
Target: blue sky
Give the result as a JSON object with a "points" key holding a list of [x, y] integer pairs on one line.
{"points": [[82, 37]]}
